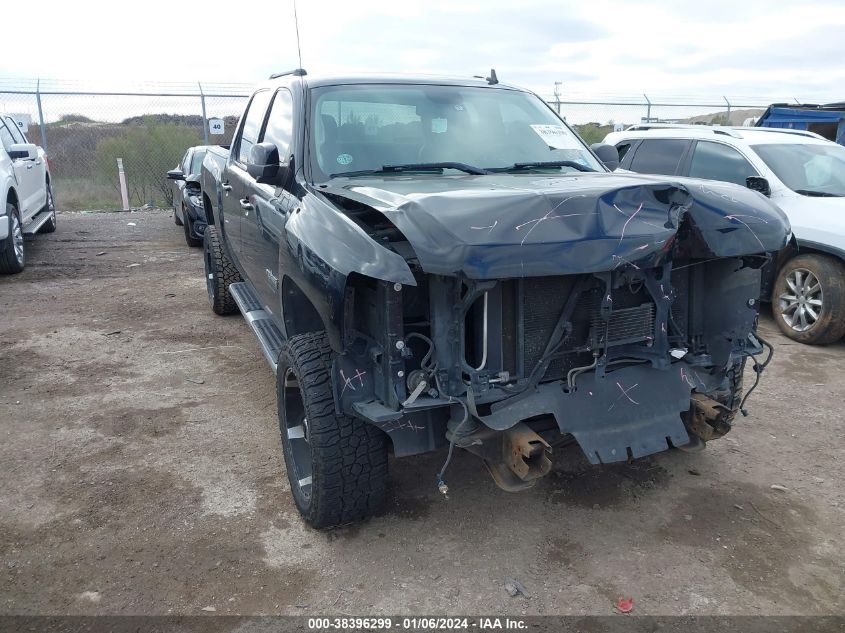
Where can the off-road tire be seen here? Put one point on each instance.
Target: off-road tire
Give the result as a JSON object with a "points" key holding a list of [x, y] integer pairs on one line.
{"points": [[348, 456], [829, 327], [190, 240], [9, 262], [50, 225], [220, 273]]}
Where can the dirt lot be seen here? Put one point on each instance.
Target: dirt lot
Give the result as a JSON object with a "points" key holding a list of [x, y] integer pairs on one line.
{"points": [[141, 472]]}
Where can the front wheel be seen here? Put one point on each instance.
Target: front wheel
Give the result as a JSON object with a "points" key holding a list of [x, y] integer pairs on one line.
{"points": [[808, 300], [220, 273], [336, 464]]}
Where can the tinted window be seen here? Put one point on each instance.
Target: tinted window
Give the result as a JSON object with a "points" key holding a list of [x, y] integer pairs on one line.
{"points": [[659, 156], [6, 137], [715, 161], [252, 123], [185, 164], [280, 124]]}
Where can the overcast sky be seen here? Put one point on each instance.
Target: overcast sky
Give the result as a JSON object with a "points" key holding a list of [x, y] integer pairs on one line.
{"points": [[741, 48]]}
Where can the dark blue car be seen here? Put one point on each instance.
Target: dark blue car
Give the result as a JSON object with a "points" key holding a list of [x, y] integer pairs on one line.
{"points": [[188, 209]]}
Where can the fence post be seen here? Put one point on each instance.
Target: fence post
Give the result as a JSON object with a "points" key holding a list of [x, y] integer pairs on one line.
{"points": [[204, 117], [648, 109], [121, 175], [729, 108], [41, 116]]}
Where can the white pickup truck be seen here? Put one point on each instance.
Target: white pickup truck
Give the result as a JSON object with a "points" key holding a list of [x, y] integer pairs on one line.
{"points": [[26, 197]]}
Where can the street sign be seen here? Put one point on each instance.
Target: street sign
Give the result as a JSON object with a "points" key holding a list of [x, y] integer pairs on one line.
{"points": [[216, 126]]}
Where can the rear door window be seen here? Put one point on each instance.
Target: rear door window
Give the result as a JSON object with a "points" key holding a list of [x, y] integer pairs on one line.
{"points": [[659, 156], [716, 161]]}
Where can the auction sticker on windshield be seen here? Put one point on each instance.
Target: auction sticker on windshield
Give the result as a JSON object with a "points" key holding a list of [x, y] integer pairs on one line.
{"points": [[556, 136]]}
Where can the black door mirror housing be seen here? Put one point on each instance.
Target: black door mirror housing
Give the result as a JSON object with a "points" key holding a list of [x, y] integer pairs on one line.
{"points": [[607, 154], [175, 174], [264, 164], [756, 183]]}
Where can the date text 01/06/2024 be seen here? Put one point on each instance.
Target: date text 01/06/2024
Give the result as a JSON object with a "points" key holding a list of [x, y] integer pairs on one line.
{"points": [[417, 624]]}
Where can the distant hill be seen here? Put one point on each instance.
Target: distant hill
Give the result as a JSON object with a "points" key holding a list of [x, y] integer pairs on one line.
{"points": [[738, 117]]}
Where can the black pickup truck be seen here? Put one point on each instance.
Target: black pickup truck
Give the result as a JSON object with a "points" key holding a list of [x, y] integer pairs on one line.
{"points": [[432, 262]]}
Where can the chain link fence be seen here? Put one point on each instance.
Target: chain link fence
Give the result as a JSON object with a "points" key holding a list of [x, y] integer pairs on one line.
{"points": [[84, 129], [595, 118], [84, 133]]}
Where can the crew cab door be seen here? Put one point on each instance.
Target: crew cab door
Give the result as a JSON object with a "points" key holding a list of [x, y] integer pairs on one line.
{"points": [[30, 174], [263, 224], [235, 180]]}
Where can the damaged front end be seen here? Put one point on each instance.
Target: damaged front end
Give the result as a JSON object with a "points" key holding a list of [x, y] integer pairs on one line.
{"points": [[616, 310]]}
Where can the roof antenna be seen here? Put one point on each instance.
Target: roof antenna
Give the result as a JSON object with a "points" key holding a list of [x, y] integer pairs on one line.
{"points": [[296, 23], [492, 79]]}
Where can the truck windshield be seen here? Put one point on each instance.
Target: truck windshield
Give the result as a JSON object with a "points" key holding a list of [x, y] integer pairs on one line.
{"points": [[808, 169], [361, 128]]}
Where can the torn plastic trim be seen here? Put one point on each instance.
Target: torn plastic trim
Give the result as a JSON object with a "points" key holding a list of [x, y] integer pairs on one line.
{"points": [[316, 228]]}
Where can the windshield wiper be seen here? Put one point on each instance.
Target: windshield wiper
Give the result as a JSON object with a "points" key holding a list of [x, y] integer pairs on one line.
{"points": [[817, 194], [542, 164], [396, 169]]}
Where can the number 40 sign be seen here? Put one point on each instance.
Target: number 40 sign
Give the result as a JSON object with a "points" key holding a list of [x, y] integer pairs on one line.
{"points": [[215, 126]]}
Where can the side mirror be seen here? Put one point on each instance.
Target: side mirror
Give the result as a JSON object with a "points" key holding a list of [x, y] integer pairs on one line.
{"points": [[607, 154], [175, 174], [263, 164], [26, 151], [756, 183]]}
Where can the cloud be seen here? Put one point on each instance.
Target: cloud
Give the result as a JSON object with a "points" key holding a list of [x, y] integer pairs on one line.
{"points": [[754, 47]]}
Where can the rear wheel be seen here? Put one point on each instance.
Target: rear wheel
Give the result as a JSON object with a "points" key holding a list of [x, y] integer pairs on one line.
{"points": [[50, 225], [336, 464], [808, 300], [176, 217], [189, 230], [12, 255], [220, 273]]}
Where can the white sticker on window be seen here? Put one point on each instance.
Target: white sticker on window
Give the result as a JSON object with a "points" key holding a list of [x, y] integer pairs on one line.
{"points": [[438, 126], [557, 136], [344, 159]]}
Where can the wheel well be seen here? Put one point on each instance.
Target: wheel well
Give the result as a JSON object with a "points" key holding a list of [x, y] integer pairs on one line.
{"points": [[811, 248], [12, 197], [299, 313], [209, 211]]}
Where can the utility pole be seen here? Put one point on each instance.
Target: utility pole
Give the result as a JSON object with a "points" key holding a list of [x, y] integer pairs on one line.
{"points": [[558, 84]]}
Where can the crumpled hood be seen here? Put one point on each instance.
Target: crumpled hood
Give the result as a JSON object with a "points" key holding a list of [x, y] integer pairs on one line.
{"points": [[519, 225]]}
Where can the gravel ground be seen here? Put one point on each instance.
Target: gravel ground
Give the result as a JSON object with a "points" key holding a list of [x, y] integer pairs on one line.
{"points": [[141, 473]]}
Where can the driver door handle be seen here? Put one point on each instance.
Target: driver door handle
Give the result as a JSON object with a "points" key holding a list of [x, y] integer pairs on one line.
{"points": [[246, 204], [226, 186]]}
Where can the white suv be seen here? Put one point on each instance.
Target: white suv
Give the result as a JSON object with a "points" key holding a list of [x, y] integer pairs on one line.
{"points": [[801, 172], [26, 197]]}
